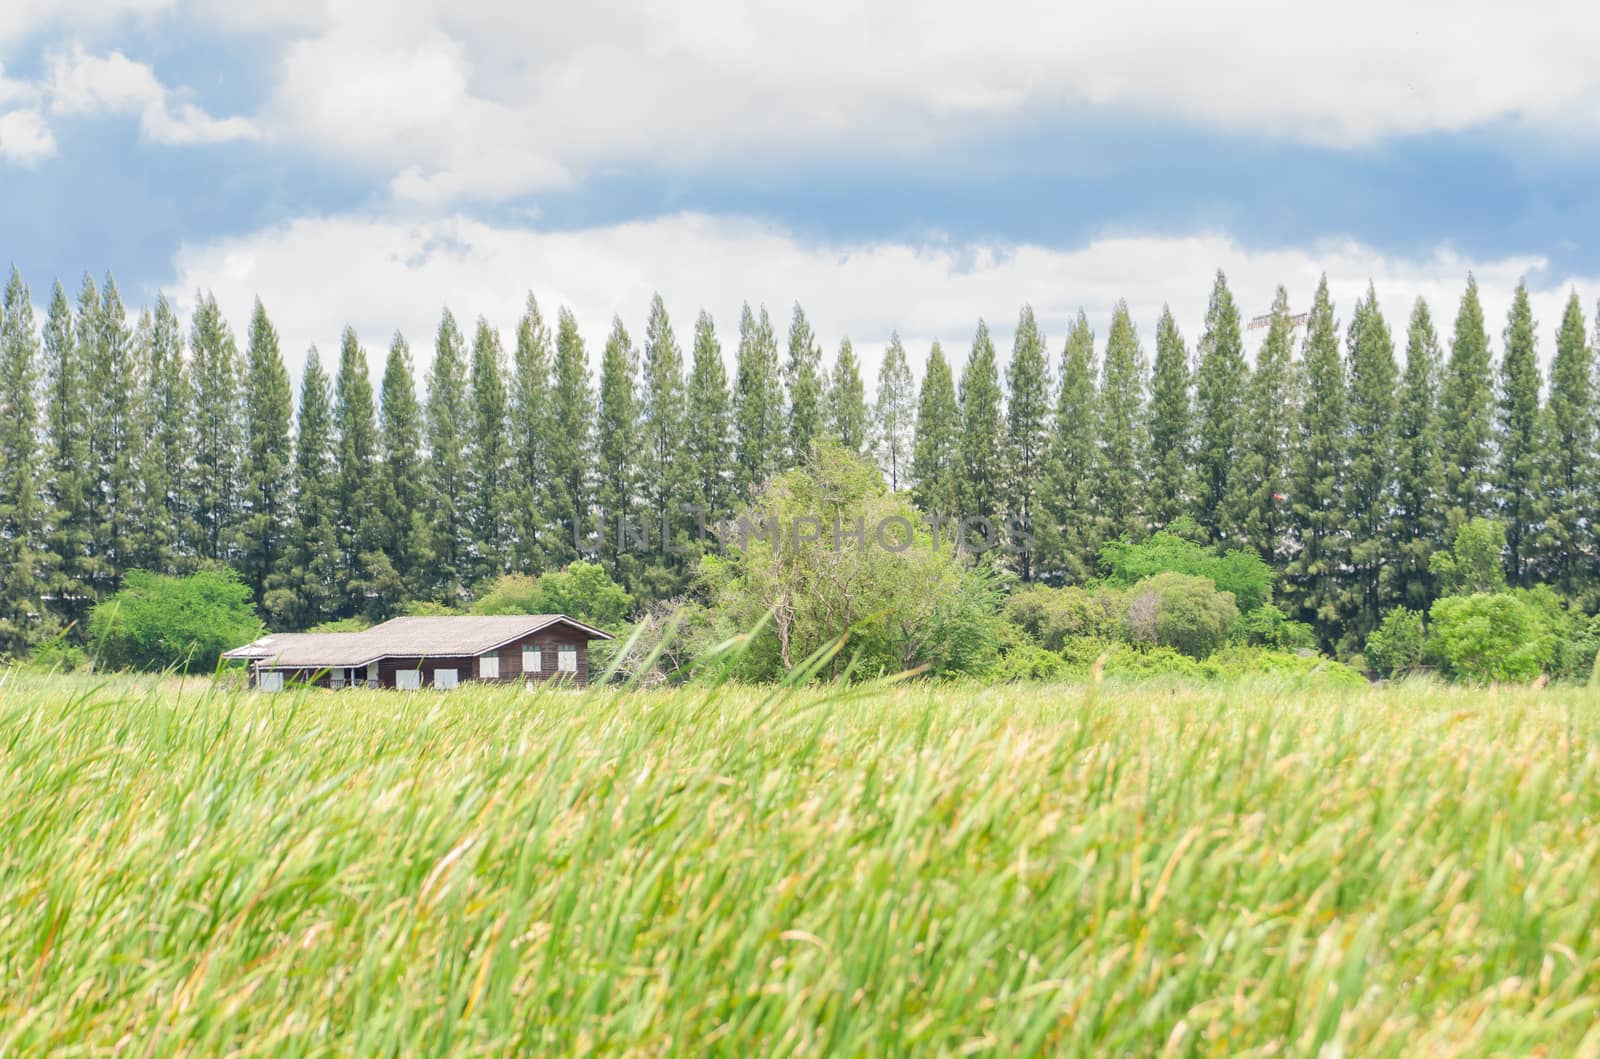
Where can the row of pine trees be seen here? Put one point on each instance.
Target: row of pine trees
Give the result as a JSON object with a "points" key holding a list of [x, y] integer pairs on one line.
{"points": [[141, 444]]}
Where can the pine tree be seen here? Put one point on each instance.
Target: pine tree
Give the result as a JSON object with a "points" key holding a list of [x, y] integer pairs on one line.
{"points": [[847, 402], [666, 467], [1255, 511], [313, 589], [571, 443], [111, 382], [1027, 438], [894, 414], [710, 424], [936, 448], [1221, 384], [1571, 475], [164, 467], [1069, 536], [1417, 530], [23, 569], [1466, 428], [490, 490], [403, 478], [1317, 491], [1520, 448], [363, 571], [67, 482], [1172, 478], [532, 424], [982, 460], [617, 452], [1370, 485], [802, 374], [215, 361], [759, 441], [265, 500], [449, 419], [1119, 458]]}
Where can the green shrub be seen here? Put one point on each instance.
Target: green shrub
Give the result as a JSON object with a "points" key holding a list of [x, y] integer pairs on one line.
{"points": [[156, 622], [355, 624], [1473, 564], [1489, 636], [1179, 611], [582, 590], [1235, 662], [1054, 615], [58, 656], [1267, 626], [1243, 573], [1397, 642]]}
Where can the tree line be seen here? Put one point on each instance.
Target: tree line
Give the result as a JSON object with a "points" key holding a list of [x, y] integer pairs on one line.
{"points": [[136, 442]]}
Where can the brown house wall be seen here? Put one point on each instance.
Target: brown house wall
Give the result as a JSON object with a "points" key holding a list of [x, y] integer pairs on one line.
{"points": [[466, 667]]}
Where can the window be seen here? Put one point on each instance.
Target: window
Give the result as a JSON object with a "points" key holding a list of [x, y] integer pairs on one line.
{"points": [[270, 680], [444, 678], [532, 660], [408, 679], [489, 667], [567, 659]]}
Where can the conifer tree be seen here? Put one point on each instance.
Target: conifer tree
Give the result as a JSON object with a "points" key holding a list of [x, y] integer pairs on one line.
{"points": [[1027, 438], [490, 492], [265, 501], [215, 362], [936, 447], [403, 478], [1571, 475], [758, 420], [532, 423], [1317, 490], [111, 382], [1519, 469], [1069, 534], [67, 481], [1370, 485], [366, 577], [617, 452], [22, 555], [164, 468], [571, 443], [710, 424], [847, 402], [449, 418], [666, 470], [1255, 509], [1417, 530], [1221, 384], [1119, 458], [982, 459], [1466, 427], [1172, 478], [312, 591], [802, 374], [894, 414]]}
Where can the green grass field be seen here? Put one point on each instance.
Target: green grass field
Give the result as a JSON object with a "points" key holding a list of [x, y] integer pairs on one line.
{"points": [[1257, 869]]}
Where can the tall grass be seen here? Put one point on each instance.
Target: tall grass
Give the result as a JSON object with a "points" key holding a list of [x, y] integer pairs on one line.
{"points": [[1260, 869]]}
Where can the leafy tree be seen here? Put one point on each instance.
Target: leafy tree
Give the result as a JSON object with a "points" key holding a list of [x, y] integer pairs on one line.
{"points": [[183, 623], [449, 416], [1180, 611], [1239, 572], [1222, 382], [22, 526], [217, 431], [361, 525], [1572, 473], [571, 444], [667, 472], [1396, 643], [759, 440], [265, 500], [1255, 510], [1027, 435], [1474, 562], [1485, 637], [802, 373], [617, 448], [164, 467], [895, 414], [580, 590], [1170, 486], [1466, 432], [490, 489], [403, 479], [936, 447], [310, 594], [532, 428], [1318, 483], [1370, 483], [1068, 534], [982, 470], [67, 481], [847, 402], [710, 425], [1417, 529], [1119, 461], [1519, 442]]}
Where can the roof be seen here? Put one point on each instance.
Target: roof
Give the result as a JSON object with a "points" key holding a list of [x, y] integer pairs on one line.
{"points": [[426, 637]]}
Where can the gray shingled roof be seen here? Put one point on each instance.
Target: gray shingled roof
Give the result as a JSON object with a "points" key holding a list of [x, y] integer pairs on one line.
{"points": [[447, 636]]}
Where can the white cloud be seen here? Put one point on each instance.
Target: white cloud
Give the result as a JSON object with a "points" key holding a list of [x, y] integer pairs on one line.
{"points": [[379, 275], [25, 139], [80, 83], [19, 18]]}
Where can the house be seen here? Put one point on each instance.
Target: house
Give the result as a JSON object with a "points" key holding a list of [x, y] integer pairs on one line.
{"points": [[432, 652]]}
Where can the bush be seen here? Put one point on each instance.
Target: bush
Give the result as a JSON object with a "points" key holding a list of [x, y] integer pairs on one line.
{"points": [[157, 622], [58, 656], [1054, 615], [1267, 626], [355, 624], [1396, 643], [1180, 611], [582, 590], [1243, 573], [1489, 636], [1232, 663]]}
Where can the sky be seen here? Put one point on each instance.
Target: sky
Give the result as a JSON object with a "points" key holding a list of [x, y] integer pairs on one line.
{"points": [[898, 166]]}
